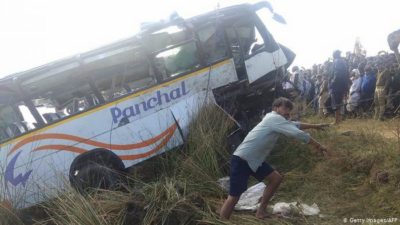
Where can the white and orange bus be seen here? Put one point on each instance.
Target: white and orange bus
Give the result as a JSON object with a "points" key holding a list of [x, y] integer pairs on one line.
{"points": [[135, 97]]}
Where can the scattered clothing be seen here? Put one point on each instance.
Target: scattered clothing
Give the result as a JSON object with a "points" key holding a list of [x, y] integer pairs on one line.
{"points": [[294, 208], [354, 95], [249, 200]]}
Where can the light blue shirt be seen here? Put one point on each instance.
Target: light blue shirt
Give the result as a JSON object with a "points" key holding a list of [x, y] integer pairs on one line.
{"points": [[262, 138]]}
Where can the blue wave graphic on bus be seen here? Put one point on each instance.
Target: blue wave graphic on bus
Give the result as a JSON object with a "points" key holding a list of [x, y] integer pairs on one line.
{"points": [[9, 174], [158, 99]]}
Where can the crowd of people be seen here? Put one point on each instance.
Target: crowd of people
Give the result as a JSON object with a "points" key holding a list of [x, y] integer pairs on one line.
{"points": [[353, 85]]}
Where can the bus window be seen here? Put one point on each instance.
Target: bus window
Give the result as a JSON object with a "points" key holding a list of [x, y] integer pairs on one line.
{"points": [[257, 41], [110, 84], [236, 50], [248, 36], [213, 44], [128, 77], [180, 59], [174, 51], [264, 16], [59, 95], [165, 37], [14, 121]]}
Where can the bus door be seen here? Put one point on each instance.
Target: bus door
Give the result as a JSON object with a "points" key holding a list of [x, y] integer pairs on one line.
{"points": [[254, 50]]}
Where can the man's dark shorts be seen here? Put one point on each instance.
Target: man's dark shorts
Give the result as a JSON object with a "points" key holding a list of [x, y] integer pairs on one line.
{"points": [[240, 173]]}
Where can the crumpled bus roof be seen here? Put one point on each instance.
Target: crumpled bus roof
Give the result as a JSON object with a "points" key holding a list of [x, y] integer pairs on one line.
{"points": [[75, 61]]}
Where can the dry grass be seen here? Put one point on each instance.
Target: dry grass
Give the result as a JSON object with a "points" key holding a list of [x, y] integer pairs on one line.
{"points": [[9, 216], [361, 179], [349, 183]]}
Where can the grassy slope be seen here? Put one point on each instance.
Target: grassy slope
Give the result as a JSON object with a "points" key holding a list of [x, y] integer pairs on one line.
{"points": [[352, 182], [361, 178], [180, 186]]}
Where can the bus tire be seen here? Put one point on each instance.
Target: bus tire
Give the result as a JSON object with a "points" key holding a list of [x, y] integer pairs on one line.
{"points": [[98, 168]]}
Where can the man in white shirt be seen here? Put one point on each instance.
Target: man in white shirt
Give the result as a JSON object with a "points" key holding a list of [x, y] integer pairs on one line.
{"points": [[354, 93], [248, 158], [300, 84]]}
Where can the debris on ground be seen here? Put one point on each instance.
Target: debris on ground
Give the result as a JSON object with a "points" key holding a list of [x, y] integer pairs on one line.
{"points": [[250, 199], [295, 208]]}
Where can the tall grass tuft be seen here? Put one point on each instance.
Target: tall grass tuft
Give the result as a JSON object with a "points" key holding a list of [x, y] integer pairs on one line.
{"points": [[102, 207], [206, 154], [9, 216], [169, 201], [191, 173]]}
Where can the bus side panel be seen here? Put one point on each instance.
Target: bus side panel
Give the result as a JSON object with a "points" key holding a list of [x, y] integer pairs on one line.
{"points": [[40, 160], [223, 75], [263, 63], [145, 138], [188, 109]]}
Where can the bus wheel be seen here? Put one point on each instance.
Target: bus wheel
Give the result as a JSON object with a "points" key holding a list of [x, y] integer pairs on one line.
{"points": [[98, 168]]}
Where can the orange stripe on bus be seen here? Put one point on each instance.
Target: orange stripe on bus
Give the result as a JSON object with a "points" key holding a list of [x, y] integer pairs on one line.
{"points": [[123, 157], [156, 149], [91, 142], [66, 148]]}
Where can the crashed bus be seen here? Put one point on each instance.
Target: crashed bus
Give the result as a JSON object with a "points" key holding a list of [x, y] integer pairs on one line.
{"points": [[133, 98]]}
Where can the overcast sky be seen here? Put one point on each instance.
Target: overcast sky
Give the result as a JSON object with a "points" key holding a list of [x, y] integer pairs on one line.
{"points": [[35, 32]]}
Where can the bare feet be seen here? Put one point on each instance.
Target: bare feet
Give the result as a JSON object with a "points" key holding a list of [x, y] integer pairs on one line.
{"points": [[262, 214]]}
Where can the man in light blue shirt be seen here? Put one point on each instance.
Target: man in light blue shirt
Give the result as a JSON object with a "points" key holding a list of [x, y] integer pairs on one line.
{"points": [[248, 158]]}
